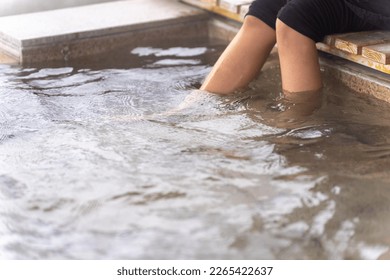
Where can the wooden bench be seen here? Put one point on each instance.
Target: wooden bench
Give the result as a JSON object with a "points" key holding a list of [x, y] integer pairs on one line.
{"points": [[371, 49]]}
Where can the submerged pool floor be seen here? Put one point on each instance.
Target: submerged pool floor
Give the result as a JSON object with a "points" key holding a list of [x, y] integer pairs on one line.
{"points": [[97, 162]]}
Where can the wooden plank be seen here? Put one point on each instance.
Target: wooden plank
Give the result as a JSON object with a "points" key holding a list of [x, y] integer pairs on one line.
{"points": [[203, 4], [212, 2], [330, 40], [215, 9], [354, 42], [379, 53], [233, 5], [226, 13], [385, 68]]}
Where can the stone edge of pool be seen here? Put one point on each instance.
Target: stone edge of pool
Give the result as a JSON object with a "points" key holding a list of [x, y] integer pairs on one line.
{"points": [[96, 29]]}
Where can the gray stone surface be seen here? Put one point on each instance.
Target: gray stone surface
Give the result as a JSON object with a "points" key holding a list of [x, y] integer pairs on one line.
{"points": [[361, 79], [21, 33]]}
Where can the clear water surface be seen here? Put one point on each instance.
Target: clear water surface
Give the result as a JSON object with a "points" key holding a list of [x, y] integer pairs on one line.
{"points": [[101, 160]]}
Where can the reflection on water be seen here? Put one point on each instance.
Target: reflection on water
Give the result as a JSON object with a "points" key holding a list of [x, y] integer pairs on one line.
{"points": [[100, 164]]}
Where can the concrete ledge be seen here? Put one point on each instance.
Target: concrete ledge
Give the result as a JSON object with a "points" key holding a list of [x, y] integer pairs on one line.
{"points": [[361, 79], [89, 30]]}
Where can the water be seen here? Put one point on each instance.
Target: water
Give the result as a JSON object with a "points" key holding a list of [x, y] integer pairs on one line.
{"points": [[103, 161]]}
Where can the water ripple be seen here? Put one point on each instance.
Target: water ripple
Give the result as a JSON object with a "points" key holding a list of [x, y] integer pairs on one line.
{"points": [[134, 163]]}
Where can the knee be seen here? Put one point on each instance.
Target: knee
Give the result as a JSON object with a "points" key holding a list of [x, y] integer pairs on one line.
{"points": [[288, 37], [284, 34], [252, 23]]}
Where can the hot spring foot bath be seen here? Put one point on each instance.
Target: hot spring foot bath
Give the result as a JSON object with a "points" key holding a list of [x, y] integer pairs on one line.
{"points": [[98, 162]]}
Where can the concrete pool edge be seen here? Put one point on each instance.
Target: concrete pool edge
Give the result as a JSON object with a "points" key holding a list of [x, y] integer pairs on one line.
{"points": [[95, 29], [362, 80]]}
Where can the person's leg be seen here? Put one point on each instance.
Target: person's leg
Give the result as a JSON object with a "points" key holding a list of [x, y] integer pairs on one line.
{"points": [[243, 59], [298, 57], [302, 23]]}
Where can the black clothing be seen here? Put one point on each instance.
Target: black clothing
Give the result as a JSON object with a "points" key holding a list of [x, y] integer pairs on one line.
{"points": [[318, 18], [377, 12]]}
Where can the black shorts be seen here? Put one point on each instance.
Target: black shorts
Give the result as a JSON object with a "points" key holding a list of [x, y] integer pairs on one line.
{"points": [[312, 18]]}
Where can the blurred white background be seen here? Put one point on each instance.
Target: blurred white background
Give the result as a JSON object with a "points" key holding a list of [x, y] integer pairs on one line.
{"points": [[12, 7]]}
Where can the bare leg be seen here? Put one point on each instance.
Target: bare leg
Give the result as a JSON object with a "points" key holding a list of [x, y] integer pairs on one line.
{"points": [[243, 59], [298, 61]]}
